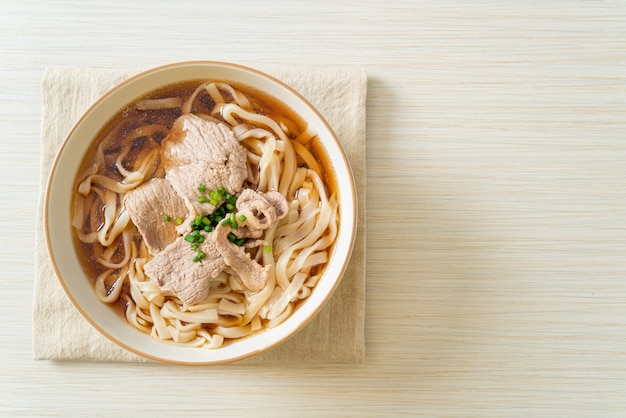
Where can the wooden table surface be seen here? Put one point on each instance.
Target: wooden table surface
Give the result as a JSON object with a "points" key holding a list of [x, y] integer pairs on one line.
{"points": [[496, 204]]}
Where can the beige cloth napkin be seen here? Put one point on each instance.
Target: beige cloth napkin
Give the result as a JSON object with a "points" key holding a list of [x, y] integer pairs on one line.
{"points": [[335, 335]]}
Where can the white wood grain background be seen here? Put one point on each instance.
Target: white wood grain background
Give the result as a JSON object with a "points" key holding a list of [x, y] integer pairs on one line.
{"points": [[496, 203]]}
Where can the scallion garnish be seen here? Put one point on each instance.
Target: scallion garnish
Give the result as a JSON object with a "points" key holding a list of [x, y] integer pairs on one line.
{"points": [[223, 214], [166, 218]]}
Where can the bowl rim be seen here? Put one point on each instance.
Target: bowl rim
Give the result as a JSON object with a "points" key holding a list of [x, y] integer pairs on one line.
{"points": [[343, 160]]}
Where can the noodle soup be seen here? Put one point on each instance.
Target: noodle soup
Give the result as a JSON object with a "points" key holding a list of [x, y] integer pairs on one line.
{"points": [[284, 167]]}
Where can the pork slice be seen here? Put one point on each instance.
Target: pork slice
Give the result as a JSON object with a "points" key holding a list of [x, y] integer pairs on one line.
{"points": [[175, 272], [194, 139], [279, 203], [199, 152], [147, 205], [262, 211], [186, 179], [250, 273]]}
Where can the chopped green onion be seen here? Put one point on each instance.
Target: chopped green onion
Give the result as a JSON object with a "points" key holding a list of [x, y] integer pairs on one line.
{"points": [[268, 248], [232, 237], [194, 247], [221, 190], [166, 218], [203, 199], [242, 218], [240, 241], [208, 228], [230, 206], [179, 221], [190, 238], [226, 222], [202, 188]]}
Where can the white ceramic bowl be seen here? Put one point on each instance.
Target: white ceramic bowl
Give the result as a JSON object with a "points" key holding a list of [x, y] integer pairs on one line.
{"points": [[58, 201]]}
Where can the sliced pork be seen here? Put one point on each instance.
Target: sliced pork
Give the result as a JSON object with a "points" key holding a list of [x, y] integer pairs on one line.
{"points": [[250, 273], [199, 152], [262, 211], [147, 205], [185, 180], [176, 273]]}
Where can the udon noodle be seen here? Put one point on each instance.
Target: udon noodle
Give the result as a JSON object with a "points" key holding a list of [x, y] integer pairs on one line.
{"points": [[282, 155]]}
